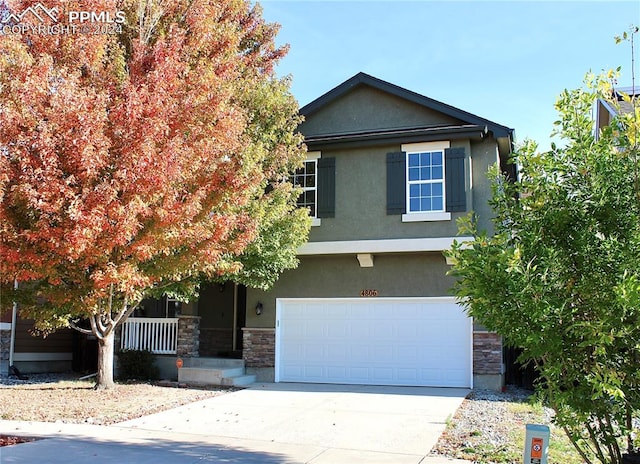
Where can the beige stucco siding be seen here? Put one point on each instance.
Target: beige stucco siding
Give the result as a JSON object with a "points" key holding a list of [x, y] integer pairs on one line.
{"points": [[367, 109], [393, 275]]}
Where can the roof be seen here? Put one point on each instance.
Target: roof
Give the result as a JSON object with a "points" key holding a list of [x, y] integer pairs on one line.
{"points": [[360, 79]]}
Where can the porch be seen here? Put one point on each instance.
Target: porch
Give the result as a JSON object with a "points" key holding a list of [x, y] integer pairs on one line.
{"points": [[173, 338]]}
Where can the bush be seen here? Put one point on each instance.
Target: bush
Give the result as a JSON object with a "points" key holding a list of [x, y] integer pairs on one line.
{"points": [[137, 365]]}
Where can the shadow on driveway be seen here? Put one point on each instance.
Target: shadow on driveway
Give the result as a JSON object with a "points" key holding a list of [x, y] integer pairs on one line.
{"points": [[152, 451]]}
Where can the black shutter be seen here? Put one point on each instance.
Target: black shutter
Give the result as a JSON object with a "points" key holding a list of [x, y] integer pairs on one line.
{"points": [[455, 180], [326, 188], [396, 182]]}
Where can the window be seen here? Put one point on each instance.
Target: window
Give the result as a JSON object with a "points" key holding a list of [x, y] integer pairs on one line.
{"points": [[305, 178], [425, 181], [316, 179]]}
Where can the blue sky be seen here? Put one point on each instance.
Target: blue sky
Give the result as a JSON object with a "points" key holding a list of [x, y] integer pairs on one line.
{"points": [[506, 61]]}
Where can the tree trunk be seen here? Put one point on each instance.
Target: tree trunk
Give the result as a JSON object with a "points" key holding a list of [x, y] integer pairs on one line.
{"points": [[104, 378]]}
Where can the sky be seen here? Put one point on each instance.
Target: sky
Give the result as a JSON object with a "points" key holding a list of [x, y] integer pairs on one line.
{"points": [[506, 61]]}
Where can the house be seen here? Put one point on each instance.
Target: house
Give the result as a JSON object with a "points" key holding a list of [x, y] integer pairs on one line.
{"points": [[605, 111], [58, 352], [388, 172]]}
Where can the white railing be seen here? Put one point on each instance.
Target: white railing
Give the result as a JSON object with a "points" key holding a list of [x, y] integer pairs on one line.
{"points": [[156, 334]]}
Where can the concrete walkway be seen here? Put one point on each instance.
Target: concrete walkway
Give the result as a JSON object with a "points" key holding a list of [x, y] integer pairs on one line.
{"points": [[267, 423]]}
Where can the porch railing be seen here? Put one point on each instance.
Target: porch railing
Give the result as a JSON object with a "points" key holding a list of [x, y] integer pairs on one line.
{"points": [[156, 334]]}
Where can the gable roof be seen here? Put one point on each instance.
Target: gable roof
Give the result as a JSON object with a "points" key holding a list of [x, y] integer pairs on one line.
{"points": [[360, 79]]}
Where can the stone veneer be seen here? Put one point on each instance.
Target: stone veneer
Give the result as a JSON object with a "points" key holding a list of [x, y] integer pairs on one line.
{"points": [[188, 336], [5, 343], [259, 347], [487, 353]]}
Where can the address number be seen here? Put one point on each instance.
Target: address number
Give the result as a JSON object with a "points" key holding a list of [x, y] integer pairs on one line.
{"points": [[368, 292]]}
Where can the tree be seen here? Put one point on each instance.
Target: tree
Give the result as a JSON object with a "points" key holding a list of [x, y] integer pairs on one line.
{"points": [[560, 277], [139, 161]]}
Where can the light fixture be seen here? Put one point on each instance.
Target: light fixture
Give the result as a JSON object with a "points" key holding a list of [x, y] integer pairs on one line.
{"points": [[259, 308]]}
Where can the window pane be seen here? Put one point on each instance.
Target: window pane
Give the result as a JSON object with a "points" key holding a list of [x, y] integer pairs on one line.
{"points": [[310, 196], [436, 172], [311, 167], [436, 189], [414, 190], [436, 158], [310, 181], [425, 204], [312, 210], [436, 204], [425, 190], [414, 173], [414, 204], [425, 173], [414, 159], [425, 159]]}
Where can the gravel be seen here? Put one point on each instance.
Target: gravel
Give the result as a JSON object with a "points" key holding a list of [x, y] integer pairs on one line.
{"points": [[485, 419]]}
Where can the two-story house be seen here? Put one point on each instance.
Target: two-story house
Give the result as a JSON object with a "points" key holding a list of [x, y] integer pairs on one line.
{"points": [[388, 172]]}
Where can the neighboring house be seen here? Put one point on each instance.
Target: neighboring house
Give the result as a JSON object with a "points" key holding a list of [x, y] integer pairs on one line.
{"points": [[605, 111], [29, 353]]}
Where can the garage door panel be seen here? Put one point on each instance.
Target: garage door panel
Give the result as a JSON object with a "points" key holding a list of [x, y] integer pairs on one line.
{"points": [[412, 341]]}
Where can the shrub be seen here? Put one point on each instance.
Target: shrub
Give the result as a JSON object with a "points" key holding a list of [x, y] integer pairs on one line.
{"points": [[137, 365]]}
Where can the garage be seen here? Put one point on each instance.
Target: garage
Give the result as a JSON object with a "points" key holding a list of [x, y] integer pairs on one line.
{"points": [[374, 341]]}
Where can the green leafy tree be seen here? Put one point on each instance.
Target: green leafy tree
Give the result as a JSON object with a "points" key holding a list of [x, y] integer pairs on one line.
{"points": [[559, 276]]}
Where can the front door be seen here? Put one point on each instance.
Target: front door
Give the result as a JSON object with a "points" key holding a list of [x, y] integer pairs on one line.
{"points": [[221, 310]]}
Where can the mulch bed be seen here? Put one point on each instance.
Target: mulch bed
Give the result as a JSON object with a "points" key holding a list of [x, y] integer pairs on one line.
{"points": [[8, 440]]}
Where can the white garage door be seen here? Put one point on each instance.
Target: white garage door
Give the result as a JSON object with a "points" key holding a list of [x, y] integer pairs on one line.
{"points": [[375, 341]]}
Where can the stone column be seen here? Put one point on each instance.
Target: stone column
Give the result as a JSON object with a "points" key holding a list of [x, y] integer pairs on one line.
{"points": [[188, 336], [487, 360]]}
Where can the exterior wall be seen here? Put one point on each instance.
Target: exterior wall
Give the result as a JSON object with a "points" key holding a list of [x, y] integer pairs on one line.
{"points": [[393, 275], [36, 354], [484, 155], [365, 108], [361, 200]]}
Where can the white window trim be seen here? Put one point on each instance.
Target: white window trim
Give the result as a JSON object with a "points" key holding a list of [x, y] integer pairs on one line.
{"points": [[424, 216], [420, 216], [315, 156]]}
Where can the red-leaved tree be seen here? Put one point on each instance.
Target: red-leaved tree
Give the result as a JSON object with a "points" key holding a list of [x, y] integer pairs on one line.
{"points": [[138, 158]]}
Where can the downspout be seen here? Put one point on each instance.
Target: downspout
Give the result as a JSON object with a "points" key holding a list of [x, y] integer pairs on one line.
{"points": [[14, 318]]}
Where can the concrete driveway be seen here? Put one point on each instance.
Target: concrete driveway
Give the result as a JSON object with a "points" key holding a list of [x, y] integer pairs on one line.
{"points": [[267, 423]]}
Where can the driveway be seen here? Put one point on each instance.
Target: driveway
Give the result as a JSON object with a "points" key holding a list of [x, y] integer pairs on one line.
{"points": [[267, 423]]}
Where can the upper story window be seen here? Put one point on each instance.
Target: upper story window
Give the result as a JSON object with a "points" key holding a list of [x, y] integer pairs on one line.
{"points": [[425, 181], [306, 178]]}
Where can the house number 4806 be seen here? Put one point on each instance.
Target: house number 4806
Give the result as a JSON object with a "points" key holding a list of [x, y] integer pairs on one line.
{"points": [[369, 292]]}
